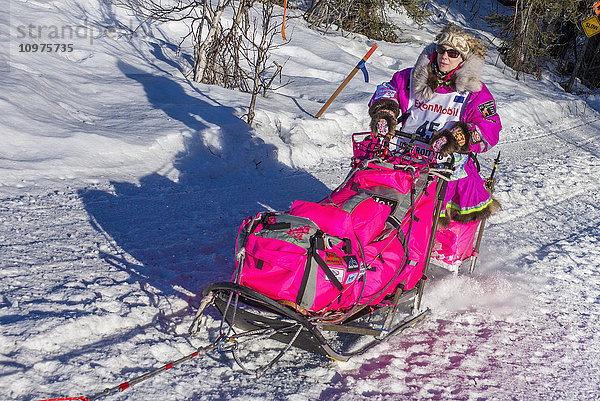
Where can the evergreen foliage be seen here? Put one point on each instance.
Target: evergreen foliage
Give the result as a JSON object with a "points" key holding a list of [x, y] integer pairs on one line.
{"points": [[534, 31], [367, 17]]}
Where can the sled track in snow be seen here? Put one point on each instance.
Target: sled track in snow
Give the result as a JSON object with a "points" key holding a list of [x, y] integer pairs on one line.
{"points": [[546, 131], [115, 271]]}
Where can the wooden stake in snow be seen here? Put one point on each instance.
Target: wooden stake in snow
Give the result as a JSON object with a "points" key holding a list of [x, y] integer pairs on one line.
{"points": [[359, 66]]}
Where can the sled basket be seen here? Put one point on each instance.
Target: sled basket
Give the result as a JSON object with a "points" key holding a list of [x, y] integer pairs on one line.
{"points": [[246, 309], [319, 277]]}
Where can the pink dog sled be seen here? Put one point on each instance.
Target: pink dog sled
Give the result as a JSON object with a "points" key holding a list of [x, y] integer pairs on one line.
{"points": [[341, 274]]}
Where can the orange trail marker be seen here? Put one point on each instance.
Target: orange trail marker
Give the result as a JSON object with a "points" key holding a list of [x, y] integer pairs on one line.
{"points": [[283, 24]]}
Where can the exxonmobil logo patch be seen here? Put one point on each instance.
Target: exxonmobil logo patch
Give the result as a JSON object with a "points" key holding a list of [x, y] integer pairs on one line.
{"points": [[437, 108]]}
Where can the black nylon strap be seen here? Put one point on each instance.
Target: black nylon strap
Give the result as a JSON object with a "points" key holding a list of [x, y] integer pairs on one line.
{"points": [[402, 237], [263, 219], [277, 226], [327, 270], [319, 241], [474, 157], [394, 222], [403, 117], [253, 225], [304, 281], [347, 246]]}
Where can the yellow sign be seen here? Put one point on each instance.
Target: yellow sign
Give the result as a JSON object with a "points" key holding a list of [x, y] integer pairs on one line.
{"points": [[591, 26], [597, 8]]}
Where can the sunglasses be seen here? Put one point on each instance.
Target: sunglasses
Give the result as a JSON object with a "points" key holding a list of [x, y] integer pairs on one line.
{"points": [[452, 53]]}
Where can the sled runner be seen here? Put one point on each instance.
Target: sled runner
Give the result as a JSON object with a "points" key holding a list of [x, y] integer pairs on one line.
{"points": [[338, 276]]}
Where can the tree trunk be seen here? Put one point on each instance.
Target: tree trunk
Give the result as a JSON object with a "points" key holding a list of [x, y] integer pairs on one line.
{"points": [[260, 61], [201, 49], [569, 87], [524, 32]]}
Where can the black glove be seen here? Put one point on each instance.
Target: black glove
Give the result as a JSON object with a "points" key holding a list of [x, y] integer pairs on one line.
{"points": [[452, 140], [387, 110]]}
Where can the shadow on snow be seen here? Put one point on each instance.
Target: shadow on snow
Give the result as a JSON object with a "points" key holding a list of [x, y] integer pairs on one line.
{"points": [[180, 236]]}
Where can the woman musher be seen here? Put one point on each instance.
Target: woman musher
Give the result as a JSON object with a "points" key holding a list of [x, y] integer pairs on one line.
{"points": [[443, 100]]}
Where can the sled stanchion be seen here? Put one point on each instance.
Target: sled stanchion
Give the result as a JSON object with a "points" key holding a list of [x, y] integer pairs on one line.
{"points": [[441, 193], [390, 316], [359, 66], [489, 183], [476, 247]]}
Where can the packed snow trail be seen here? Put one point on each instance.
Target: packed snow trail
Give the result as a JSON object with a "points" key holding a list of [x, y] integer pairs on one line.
{"points": [[98, 306]]}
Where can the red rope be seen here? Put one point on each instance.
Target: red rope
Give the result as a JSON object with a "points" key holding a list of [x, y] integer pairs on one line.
{"points": [[124, 386]]}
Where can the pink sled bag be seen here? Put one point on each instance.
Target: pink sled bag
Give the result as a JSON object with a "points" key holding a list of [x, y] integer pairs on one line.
{"points": [[352, 248]]}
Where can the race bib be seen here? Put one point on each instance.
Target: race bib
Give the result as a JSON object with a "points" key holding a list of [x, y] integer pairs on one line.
{"points": [[434, 115]]}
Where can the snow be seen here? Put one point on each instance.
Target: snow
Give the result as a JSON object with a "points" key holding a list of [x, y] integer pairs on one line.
{"points": [[123, 185]]}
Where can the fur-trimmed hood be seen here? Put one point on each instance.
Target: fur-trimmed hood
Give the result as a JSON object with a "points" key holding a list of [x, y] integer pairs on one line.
{"points": [[466, 78]]}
